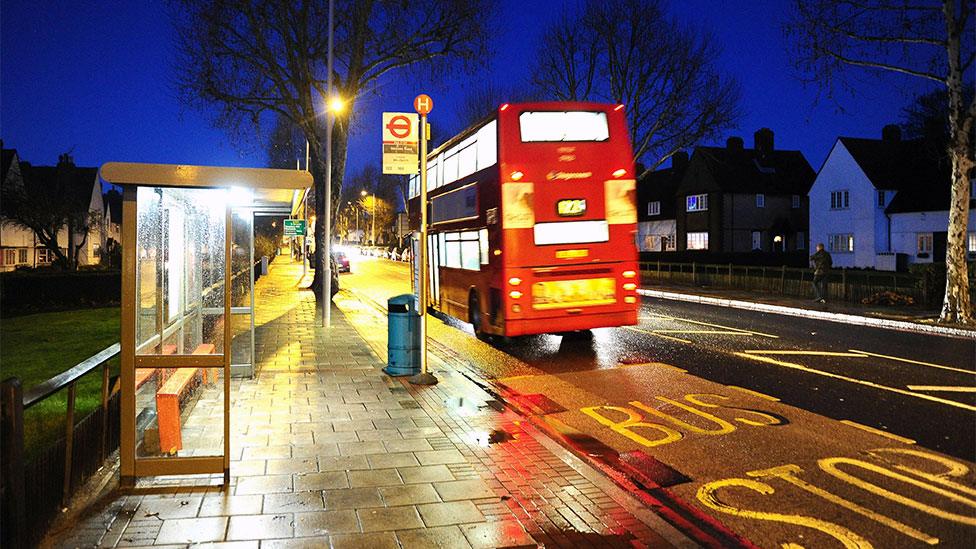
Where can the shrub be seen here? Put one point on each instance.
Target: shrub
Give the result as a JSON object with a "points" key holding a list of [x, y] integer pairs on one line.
{"points": [[34, 291], [888, 299]]}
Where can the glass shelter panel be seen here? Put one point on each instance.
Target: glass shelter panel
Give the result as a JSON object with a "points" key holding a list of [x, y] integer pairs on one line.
{"points": [[242, 293], [179, 390]]}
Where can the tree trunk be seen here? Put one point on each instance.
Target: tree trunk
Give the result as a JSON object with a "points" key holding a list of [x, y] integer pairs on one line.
{"points": [[956, 306]]}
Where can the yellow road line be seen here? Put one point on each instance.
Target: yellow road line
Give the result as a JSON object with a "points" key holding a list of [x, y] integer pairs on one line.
{"points": [[892, 436], [658, 335], [725, 332], [718, 326], [943, 388], [929, 364], [802, 353], [802, 368], [753, 393]]}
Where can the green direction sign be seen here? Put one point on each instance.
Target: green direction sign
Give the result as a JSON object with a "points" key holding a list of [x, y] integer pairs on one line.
{"points": [[294, 227]]}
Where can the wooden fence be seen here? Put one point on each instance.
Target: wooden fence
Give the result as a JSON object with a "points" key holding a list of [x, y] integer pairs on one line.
{"points": [[842, 284]]}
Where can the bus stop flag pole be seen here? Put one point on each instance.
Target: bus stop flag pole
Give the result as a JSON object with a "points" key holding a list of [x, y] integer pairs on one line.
{"points": [[423, 104]]}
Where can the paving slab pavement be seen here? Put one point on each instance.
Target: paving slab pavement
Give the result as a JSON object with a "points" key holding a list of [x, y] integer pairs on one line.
{"points": [[330, 451]]}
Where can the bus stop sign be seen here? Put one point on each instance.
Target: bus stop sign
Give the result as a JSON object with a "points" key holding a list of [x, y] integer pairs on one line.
{"points": [[423, 104]]}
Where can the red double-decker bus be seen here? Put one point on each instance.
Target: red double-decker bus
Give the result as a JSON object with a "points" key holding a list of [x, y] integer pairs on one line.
{"points": [[532, 221]]}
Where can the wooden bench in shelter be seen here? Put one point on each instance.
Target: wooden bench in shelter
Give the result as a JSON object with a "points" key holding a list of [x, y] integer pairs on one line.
{"points": [[145, 374], [168, 399]]}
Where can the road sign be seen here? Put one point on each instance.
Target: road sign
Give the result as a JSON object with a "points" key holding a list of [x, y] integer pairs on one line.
{"points": [[400, 143], [423, 104], [294, 227]]}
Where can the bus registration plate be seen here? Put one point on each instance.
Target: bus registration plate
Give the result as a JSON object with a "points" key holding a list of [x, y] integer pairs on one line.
{"points": [[587, 292]]}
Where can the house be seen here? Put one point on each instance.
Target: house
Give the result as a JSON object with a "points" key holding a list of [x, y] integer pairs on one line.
{"points": [[882, 203], [734, 200], [20, 247], [656, 230]]}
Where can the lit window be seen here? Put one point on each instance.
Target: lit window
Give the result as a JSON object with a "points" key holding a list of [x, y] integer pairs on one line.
{"points": [[697, 241], [9, 257], [461, 250], [669, 243], [696, 203], [654, 208], [924, 243], [563, 126], [760, 200], [841, 243], [796, 201]]}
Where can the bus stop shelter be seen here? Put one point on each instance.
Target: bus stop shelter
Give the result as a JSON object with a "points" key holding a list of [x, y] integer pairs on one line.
{"points": [[187, 306]]}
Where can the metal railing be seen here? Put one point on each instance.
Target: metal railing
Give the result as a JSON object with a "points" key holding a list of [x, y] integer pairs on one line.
{"points": [[56, 470], [842, 284]]}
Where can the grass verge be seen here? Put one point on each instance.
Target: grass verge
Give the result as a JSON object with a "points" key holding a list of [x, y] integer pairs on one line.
{"points": [[37, 347]]}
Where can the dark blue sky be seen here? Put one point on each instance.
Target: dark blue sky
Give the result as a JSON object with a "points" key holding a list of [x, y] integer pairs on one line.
{"points": [[94, 78]]}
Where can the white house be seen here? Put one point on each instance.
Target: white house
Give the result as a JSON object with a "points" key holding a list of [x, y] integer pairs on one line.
{"points": [[878, 202], [19, 247]]}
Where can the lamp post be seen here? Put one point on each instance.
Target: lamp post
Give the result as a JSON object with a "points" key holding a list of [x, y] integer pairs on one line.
{"points": [[334, 105]]}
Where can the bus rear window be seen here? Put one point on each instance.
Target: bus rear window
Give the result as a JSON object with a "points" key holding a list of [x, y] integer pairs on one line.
{"points": [[558, 126]]}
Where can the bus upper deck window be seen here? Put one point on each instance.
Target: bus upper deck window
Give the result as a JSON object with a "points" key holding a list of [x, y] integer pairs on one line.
{"points": [[561, 126]]}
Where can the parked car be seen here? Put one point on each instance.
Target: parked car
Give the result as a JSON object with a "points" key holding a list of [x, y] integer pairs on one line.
{"points": [[342, 261]]}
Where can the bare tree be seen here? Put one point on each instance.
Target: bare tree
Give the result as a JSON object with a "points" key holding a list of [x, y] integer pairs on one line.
{"points": [[286, 145], [932, 40], [251, 58], [631, 52]]}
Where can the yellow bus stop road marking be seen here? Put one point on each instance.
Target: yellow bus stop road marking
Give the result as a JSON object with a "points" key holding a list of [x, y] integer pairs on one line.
{"points": [[879, 432], [656, 334], [803, 353], [700, 323], [929, 364], [802, 368], [753, 393], [945, 388]]}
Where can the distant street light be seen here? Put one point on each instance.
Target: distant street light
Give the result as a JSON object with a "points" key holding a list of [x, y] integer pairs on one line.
{"points": [[372, 218]]}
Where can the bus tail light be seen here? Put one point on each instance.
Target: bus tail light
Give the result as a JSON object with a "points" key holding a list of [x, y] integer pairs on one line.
{"points": [[515, 294], [515, 281], [630, 286], [629, 274], [516, 175], [620, 173], [630, 299]]}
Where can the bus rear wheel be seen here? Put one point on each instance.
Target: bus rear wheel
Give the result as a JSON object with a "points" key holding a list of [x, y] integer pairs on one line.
{"points": [[474, 317]]}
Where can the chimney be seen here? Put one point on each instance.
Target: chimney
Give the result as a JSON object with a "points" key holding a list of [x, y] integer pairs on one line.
{"points": [[679, 161], [65, 159], [734, 143], [763, 141], [891, 133]]}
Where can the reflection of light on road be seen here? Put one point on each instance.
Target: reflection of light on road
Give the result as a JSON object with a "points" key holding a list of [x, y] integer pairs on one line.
{"points": [[479, 438]]}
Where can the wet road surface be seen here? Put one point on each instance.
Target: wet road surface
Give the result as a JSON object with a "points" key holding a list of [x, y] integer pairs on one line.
{"points": [[787, 430]]}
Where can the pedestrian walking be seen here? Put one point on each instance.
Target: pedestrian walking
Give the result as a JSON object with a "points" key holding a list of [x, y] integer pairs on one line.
{"points": [[822, 262]]}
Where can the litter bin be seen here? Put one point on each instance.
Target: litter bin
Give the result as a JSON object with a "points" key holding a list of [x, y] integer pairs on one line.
{"points": [[403, 336]]}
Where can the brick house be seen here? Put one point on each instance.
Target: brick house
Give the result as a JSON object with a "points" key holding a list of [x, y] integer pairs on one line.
{"points": [[734, 200], [656, 205]]}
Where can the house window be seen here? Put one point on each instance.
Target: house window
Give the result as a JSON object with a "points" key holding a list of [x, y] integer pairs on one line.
{"points": [[796, 201], [654, 208], [760, 200], [696, 203], [668, 241], [801, 240], [756, 240], [839, 200], [972, 243], [22, 255], [9, 256], [924, 243], [841, 243], [881, 199], [44, 256], [697, 241]]}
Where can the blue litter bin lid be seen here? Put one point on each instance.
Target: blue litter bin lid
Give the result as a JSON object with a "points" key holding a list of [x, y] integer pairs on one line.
{"points": [[402, 303]]}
